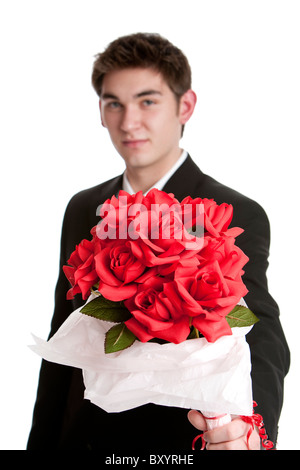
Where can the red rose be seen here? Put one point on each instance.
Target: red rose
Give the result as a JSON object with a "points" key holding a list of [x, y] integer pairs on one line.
{"points": [[117, 215], [216, 218], [155, 196], [207, 296], [153, 223], [118, 270], [162, 237], [81, 272], [154, 315], [230, 257]]}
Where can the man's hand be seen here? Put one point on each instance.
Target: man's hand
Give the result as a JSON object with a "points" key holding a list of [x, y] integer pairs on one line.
{"points": [[231, 436]]}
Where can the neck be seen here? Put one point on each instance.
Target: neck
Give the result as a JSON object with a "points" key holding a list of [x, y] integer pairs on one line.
{"points": [[143, 178], [140, 181]]}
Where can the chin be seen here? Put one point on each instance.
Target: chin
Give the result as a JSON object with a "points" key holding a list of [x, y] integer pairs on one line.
{"points": [[138, 161]]}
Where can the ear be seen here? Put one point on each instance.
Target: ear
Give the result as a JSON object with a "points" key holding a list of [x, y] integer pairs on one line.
{"points": [[101, 116], [187, 105]]}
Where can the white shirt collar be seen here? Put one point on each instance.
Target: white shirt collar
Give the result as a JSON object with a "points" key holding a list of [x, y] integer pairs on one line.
{"points": [[160, 183]]}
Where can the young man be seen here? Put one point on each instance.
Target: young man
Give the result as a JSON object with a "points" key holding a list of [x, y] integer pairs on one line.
{"points": [[144, 86]]}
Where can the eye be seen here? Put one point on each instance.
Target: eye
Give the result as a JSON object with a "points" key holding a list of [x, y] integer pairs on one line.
{"points": [[113, 105], [148, 102]]}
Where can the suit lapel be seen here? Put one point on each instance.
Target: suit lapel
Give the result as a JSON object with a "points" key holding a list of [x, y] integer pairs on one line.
{"points": [[185, 181]]}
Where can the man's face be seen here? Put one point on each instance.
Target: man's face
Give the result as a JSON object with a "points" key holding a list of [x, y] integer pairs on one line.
{"points": [[142, 116]]}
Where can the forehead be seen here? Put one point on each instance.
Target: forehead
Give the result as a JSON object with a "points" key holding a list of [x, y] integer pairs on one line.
{"points": [[131, 82]]}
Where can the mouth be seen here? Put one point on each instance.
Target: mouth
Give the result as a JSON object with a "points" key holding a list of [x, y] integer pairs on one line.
{"points": [[134, 143]]}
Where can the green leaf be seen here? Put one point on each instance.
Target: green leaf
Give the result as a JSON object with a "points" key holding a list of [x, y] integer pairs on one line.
{"points": [[241, 316], [106, 310], [119, 337]]}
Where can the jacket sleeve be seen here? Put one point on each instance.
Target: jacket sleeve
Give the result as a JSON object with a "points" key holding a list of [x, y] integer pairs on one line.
{"points": [[60, 388], [54, 379], [269, 350]]}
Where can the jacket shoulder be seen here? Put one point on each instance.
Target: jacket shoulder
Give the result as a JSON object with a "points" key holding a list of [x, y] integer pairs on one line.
{"points": [[243, 206], [82, 212], [189, 180], [95, 195]]}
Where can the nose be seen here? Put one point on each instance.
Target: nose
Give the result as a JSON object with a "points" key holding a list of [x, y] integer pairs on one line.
{"points": [[130, 119]]}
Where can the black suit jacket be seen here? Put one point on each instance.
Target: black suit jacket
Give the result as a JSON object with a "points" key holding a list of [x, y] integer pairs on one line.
{"points": [[62, 419]]}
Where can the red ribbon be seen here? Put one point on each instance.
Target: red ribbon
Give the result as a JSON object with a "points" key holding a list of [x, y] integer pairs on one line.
{"points": [[257, 420], [196, 439], [254, 420], [201, 435]]}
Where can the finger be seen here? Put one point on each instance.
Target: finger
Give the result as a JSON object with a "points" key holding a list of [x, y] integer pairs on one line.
{"points": [[197, 420], [238, 444], [232, 431]]}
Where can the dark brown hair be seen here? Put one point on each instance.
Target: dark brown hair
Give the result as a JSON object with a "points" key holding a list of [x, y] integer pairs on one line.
{"points": [[144, 50]]}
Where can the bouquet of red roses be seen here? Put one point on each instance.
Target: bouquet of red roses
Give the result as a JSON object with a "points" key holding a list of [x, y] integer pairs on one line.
{"points": [[165, 321], [165, 270]]}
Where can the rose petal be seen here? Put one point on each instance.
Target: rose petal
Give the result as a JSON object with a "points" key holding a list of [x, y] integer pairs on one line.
{"points": [[117, 293]]}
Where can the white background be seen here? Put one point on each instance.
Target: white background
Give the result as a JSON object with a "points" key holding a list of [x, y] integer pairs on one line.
{"points": [[245, 132]]}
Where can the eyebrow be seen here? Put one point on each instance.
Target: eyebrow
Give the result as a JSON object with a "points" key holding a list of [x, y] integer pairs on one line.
{"points": [[110, 96]]}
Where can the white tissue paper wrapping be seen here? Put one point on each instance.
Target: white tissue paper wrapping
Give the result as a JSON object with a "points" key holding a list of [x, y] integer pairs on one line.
{"points": [[193, 374]]}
